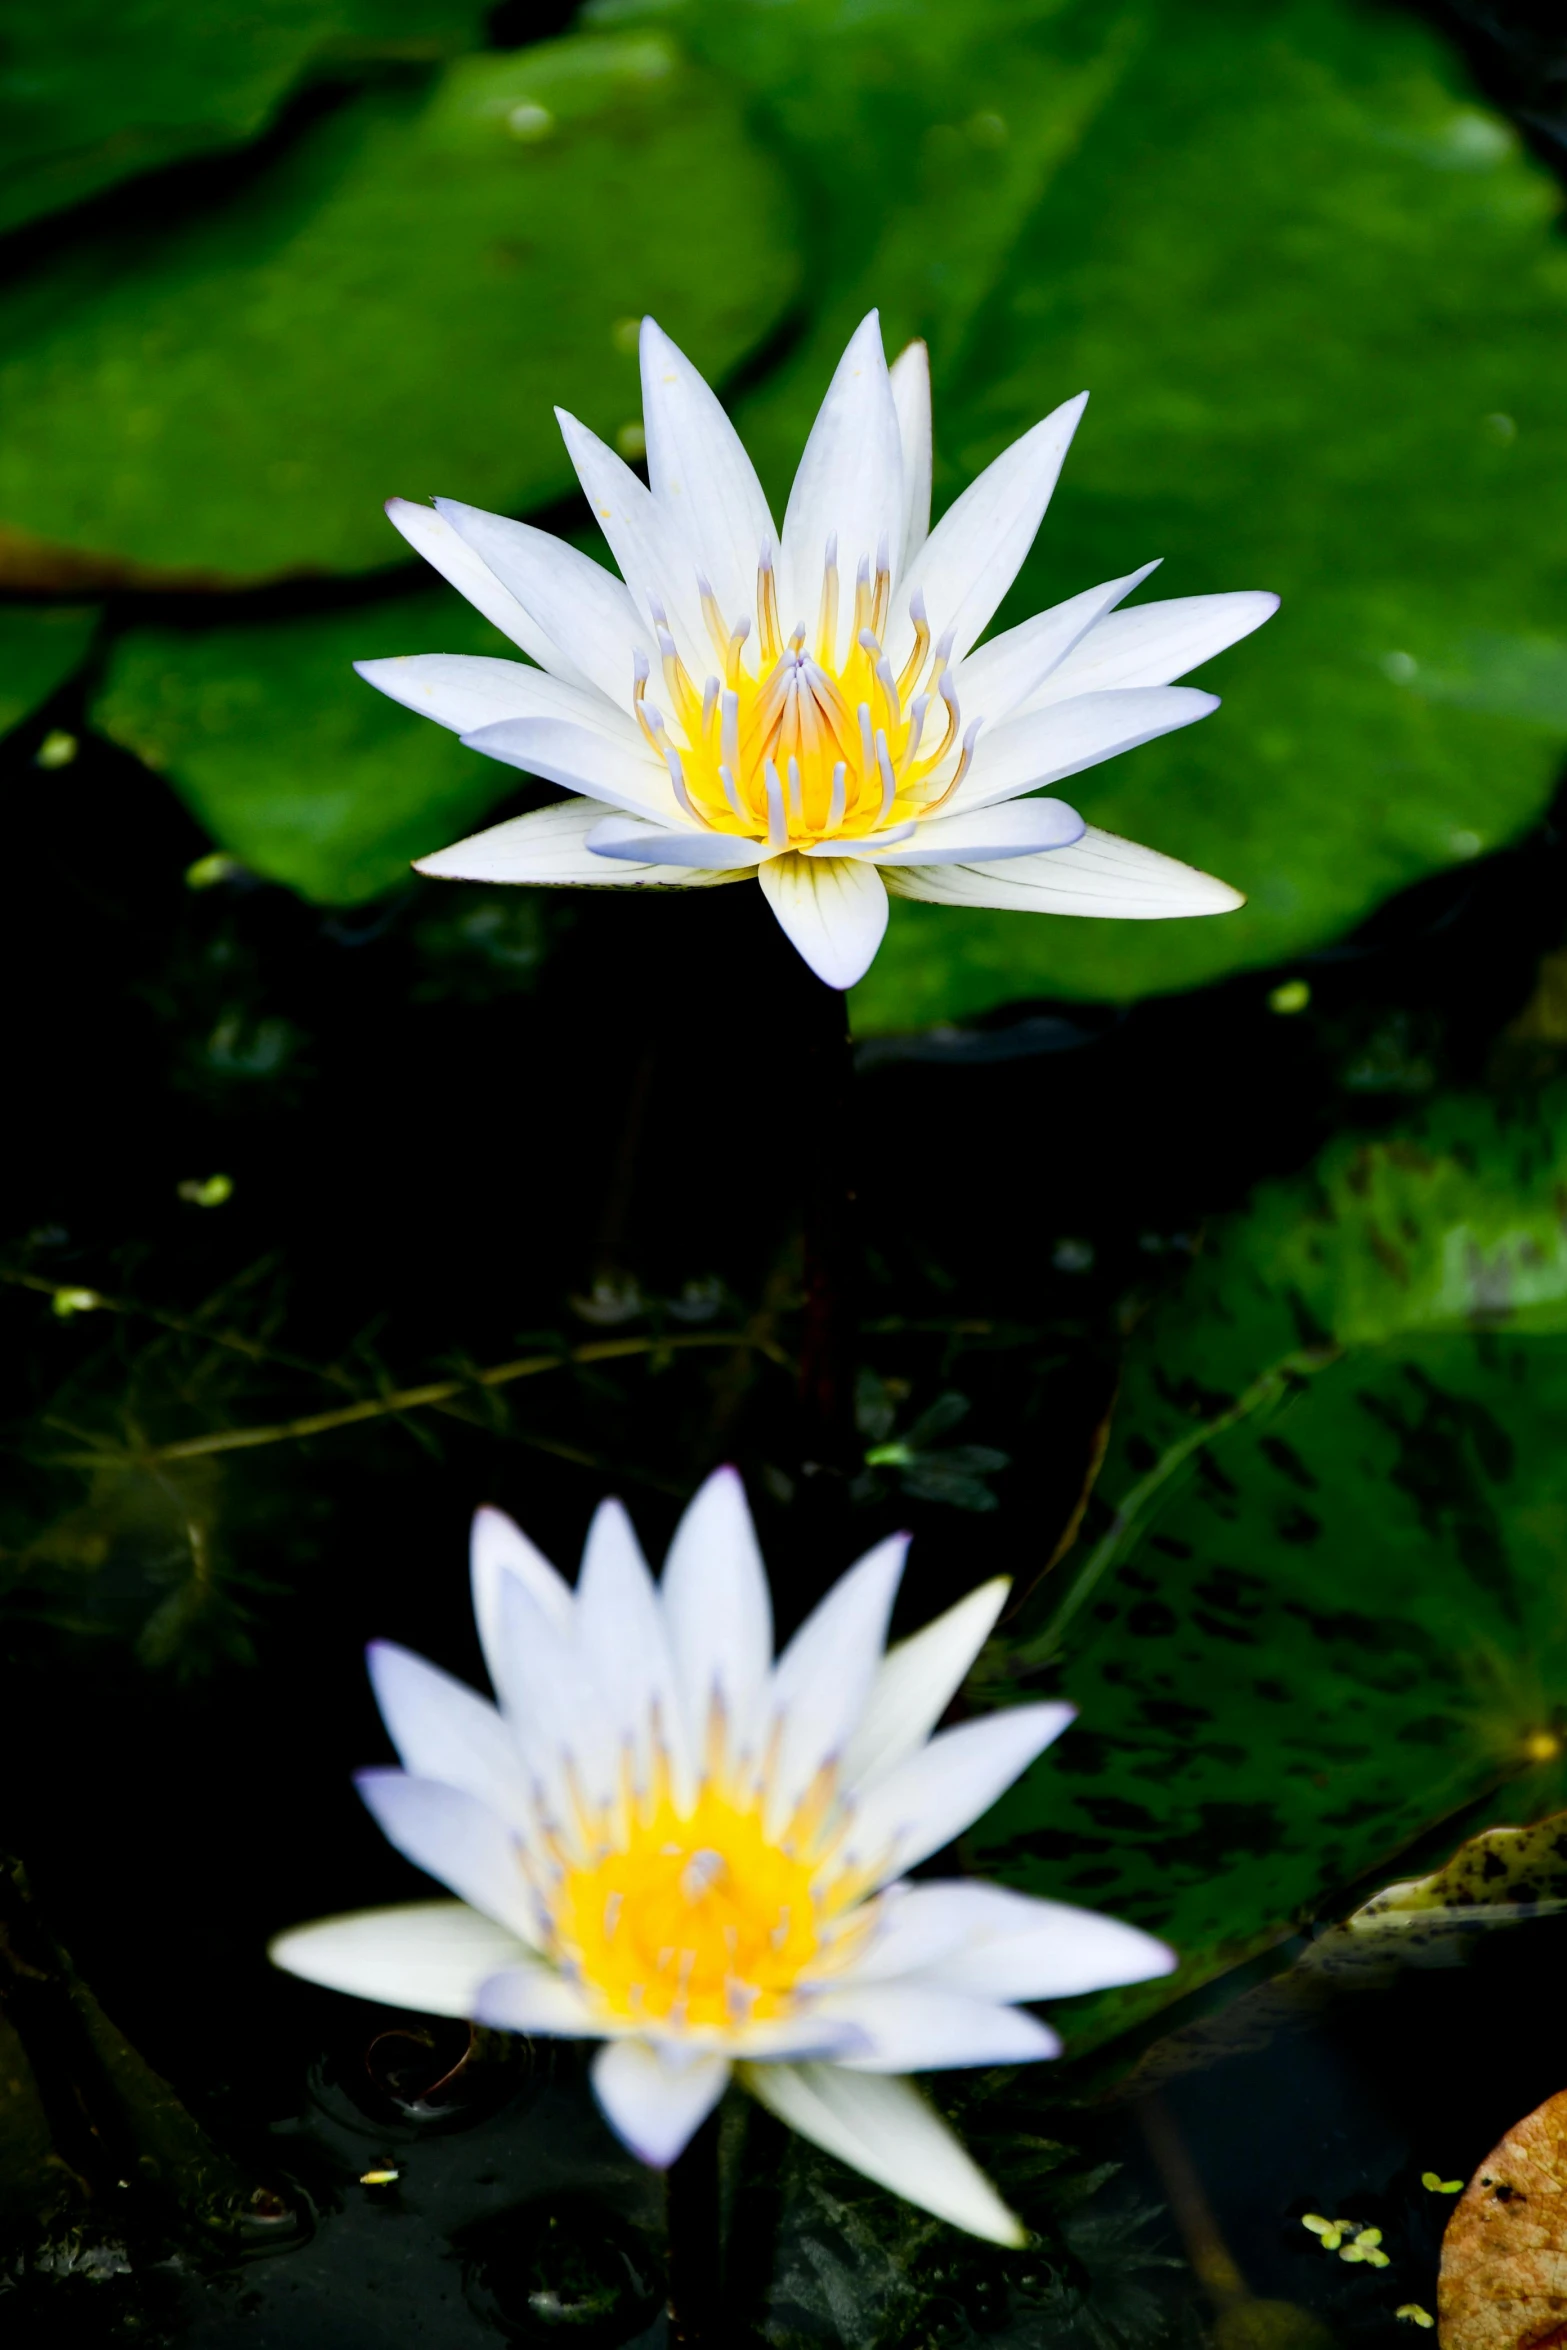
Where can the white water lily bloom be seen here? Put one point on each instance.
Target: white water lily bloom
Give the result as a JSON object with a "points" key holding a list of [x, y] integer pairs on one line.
{"points": [[662, 1839], [811, 706]]}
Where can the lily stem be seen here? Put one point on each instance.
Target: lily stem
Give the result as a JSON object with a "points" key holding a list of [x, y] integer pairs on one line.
{"points": [[695, 2242], [829, 1345]]}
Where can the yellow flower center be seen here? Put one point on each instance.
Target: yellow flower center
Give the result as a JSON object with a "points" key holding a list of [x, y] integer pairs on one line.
{"points": [[812, 747], [698, 1919]]}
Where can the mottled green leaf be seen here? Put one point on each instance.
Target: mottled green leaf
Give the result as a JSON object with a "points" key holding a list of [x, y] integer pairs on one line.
{"points": [[292, 763], [89, 95], [1314, 289], [39, 648], [391, 306], [1328, 1612]]}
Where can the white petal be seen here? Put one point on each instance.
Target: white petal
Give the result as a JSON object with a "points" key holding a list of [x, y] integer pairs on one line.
{"points": [[1154, 643], [1098, 875], [1040, 747], [646, 541], [432, 536], [977, 548], [833, 910], [534, 1999], [617, 769], [455, 1839], [656, 2100], [717, 1607], [1001, 675], [849, 486], [920, 2028], [909, 376], [699, 472], [466, 691], [562, 1718], [499, 1547], [621, 1628], [549, 848], [1017, 828], [932, 1796], [881, 2126], [634, 842], [1012, 1946], [428, 1955], [592, 619], [822, 1680], [443, 1731], [918, 1680]]}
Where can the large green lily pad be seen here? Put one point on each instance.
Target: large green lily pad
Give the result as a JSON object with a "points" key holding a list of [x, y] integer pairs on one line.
{"points": [[1328, 1613], [89, 95], [40, 645], [1314, 289], [391, 306], [289, 760]]}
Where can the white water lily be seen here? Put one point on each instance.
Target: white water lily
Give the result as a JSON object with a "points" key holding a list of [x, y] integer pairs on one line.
{"points": [[664, 1840], [811, 706]]}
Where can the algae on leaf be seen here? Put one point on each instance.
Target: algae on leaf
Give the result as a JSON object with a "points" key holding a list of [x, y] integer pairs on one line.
{"points": [[290, 762], [1336, 1620], [392, 306]]}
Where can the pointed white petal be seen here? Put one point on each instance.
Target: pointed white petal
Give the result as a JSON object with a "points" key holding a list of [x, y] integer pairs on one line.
{"points": [[549, 848], [534, 1999], [466, 691], [647, 542], [428, 1955], [823, 1678], [1016, 828], [655, 2099], [882, 2127], [909, 376], [920, 2028], [699, 472], [1098, 875], [833, 910], [432, 536], [718, 1610], [498, 1547], [918, 1680], [621, 1628], [1011, 1946], [618, 769], [591, 617], [635, 842], [932, 1796], [1040, 747], [561, 1716], [849, 486], [977, 548], [999, 677], [1154, 643], [443, 1731], [455, 1839]]}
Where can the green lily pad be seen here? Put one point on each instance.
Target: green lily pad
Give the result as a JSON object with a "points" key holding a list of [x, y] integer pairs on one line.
{"points": [[291, 763], [391, 306], [39, 647], [1324, 1610], [89, 95], [1314, 289]]}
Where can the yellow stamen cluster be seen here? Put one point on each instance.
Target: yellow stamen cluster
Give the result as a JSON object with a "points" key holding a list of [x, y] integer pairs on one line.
{"points": [[810, 746], [693, 1915]]}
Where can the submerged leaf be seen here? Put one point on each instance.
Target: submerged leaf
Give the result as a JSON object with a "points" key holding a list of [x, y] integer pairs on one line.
{"points": [[1504, 2257]]}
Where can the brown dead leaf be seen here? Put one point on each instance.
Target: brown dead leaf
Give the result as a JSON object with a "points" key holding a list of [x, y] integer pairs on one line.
{"points": [[1504, 2257]]}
